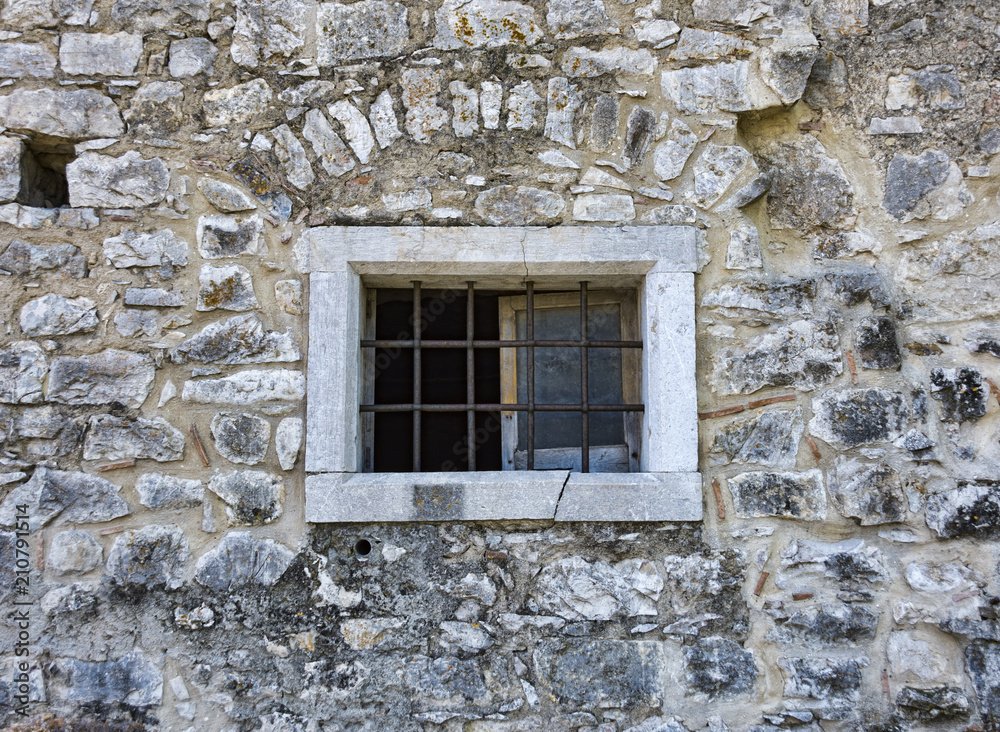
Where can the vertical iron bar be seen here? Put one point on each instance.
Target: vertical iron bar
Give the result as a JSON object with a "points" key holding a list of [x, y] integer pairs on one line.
{"points": [[417, 328], [470, 375], [584, 378], [531, 375]]}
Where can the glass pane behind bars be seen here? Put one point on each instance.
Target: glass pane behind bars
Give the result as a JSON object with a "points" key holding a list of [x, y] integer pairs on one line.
{"points": [[557, 377]]}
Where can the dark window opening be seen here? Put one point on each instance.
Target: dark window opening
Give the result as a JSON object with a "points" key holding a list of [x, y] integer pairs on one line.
{"points": [[447, 397], [43, 173]]}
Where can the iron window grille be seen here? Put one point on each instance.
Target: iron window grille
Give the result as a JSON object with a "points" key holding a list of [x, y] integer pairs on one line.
{"points": [[417, 407]]}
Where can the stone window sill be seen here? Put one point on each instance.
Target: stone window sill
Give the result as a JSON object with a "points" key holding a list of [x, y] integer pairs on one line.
{"points": [[552, 495]]}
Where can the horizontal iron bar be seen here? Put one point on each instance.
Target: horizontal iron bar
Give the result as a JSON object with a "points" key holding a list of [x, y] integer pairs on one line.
{"points": [[499, 344], [500, 407]]}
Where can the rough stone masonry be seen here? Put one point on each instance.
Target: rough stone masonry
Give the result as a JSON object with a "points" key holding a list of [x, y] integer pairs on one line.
{"points": [[158, 162]]}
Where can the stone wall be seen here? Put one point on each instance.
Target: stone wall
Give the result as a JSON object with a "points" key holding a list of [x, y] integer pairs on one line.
{"points": [[159, 160]]}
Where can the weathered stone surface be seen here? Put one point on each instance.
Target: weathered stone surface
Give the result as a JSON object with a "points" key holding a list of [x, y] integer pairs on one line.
{"points": [[579, 61], [73, 115], [962, 393], [809, 189], [159, 14], [153, 297], [575, 589], [871, 493], [603, 207], [74, 552], [57, 315], [386, 126], [252, 497], [805, 354], [463, 637], [955, 277], [228, 288], [22, 258], [854, 417], [972, 509], [287, 440], [329, 147], [707, 45], [937, 87], [133, 323], [464, 24], [357, 130], [793, 495], [465, 109], [840, 17], [121, 438], [826, 87], [157, 490], [521, 101], [18, 60], [823, 682], [639, 134], [982, 341], [844, 561], [22, 370], [242, 560], [671, 156], [100, 53], [719, 170], [288, 295], [133, 680], [105, 377], [69, 496], [191, 56], [875, 342], [982, 662], [225, 197], [240, 339], [855, 287], [156, 108], [293, 158], [785, 65], [128, 181], [240, 104], [228, 236], [761, 301], [241, 438], [267, 30], [569, 19], [771, 438], [247, 387], [939, 703], [132, 249], [910, 178], [604, 122], [564, 99], [420, 96], [361, 30], [719, 667], [592, 673], [731, 12], [519, 206], [151, 557], [706, 89], [744, 250], [247, 172], [31, 14], [826, 626], [446, 679]]}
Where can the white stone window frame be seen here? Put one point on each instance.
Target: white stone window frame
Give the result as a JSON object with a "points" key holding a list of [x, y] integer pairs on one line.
{"points": [[659, 261]]}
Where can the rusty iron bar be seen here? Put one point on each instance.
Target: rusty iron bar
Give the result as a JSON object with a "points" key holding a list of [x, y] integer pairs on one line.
{"points": [[470, 375], [530, 300], [538, 343], [417, 330], [379, 408], [584, 379]]}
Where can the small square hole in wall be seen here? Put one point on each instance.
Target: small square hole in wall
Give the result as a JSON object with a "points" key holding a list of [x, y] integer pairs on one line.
{"points": [[43, 173]]}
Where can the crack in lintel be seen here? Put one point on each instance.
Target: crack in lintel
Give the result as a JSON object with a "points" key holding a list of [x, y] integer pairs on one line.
{"points": [[561, 491]]}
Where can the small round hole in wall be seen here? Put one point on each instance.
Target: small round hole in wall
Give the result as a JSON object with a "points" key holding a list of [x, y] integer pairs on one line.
{"points": [[362, 547]]}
